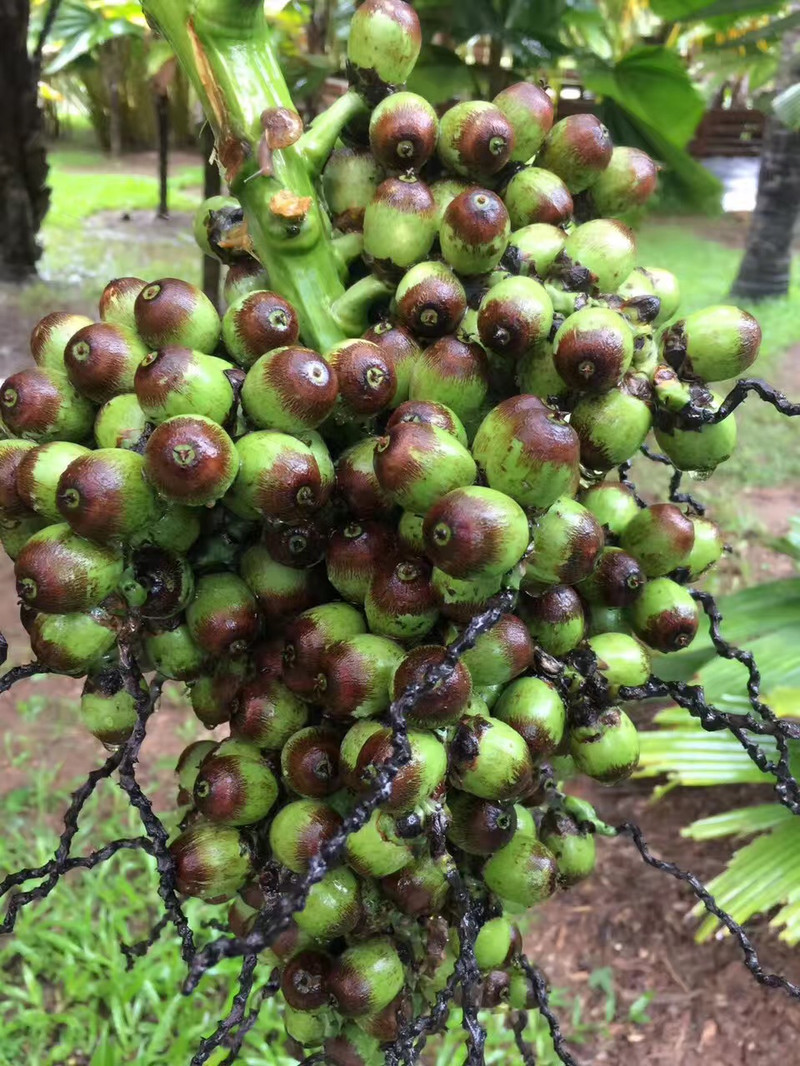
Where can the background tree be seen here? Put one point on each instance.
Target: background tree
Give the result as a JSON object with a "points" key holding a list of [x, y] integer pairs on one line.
{"points": [[766, 264], [24, 195]]}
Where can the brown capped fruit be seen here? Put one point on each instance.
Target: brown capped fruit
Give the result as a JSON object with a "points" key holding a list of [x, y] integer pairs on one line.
{"points": [[267, 713], [593, 348], [104, 496], [355, 675], [367, 380], [474, 532], [307, 637], [479, 826], [173, 312], [50, 336], [12, 503], [616, 581], [234, 789], [400, 602], [490, 760], [403, 130], [535, 195], [530, 111], [117, 301], [367, 746], [223, 616], [357, 483], [354, 551], [430, 300], [400, 226], [290, 389], [453, 373], [578, 149], [211, 861], [445, 703], [401, 349], [256, 323], [475, 139], [59, 572], [426, 412], [41, 405], [298, 831], [101, 360], [279, 477], [310, 762], [474, 232], [304, 981], [299, 546], [190, 460]]}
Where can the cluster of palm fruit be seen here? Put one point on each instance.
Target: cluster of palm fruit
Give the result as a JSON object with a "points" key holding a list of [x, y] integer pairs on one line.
{"points": [[298, 535]]}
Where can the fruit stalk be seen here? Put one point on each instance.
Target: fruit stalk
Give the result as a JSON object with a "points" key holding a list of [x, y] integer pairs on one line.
{"points": [[226, 49]]}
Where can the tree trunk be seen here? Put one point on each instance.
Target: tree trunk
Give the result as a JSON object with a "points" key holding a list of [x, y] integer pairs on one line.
{"points": [[162, 116], [24, 195], [766, 265], [212, 186], [497, 75]]}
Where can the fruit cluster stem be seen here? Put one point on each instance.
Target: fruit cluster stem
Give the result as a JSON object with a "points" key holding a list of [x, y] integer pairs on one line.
{"points": [[226, 49]]}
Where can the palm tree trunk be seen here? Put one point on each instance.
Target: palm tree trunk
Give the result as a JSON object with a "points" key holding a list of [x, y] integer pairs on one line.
{"points": [[212, 186], [162, 115], [24, 195], [766, 265]]}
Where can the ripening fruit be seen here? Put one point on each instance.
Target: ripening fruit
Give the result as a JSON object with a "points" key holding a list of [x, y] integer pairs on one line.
{"points": [[384, 41], [474, 232], [349, 181], [289, 389], [366, 378], [101, 360], [613, 426], [367, 746], [533, 249], [104, 496], [528, 452], [333, 907], [306, 638], [604, 247], [173, 653], [446, 702], [15, 532], [306, 1028], [267, 713], [304, 981], [355, 675], [279, 477], [555, 618], [50, 337], [478, 826], [400, 602], [37, 472], [72, 643], [475, 532], [452, 373], [421, 890], [628, 182], [40, 405], [108, 706], [578, 149], [366, 977], [698, 450], [665, 616], [403, 130], [176, 528], [514, 315], [535, 710], [181, 381], [60, 572], [158, 583], [190, 460], [298, 831], [572, 847], [496, 944], [475, 139], [499, 655], [616, 581], [653, 281], [258, 323], [714, 344], [660, 537], [357, 483], [593, 349], [461, 600], [377, 849], [613, 504], [212, 695], [430, 300], [490, 760], [12, 452], [353, 554], [211, 861], [524, 871], [401, 350], [417, 464], [223, 616], [429, 413], [310, 762], [188, 765], [172, 312], [707, 549], [535, 195], [243, 276], [606, 749], [121, 423], [565, 543], [530, 111], [234, 789], [400, 225]]}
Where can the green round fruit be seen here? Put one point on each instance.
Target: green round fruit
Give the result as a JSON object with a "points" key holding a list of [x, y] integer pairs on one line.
{"points": [[257, 323], [665, 616], [593, 349], [613, 426], [279, 477], [377, 850], [533, 249], [174, 654], [718, 343], [416, 464], [333, 907], [530, 111], [72, 644], [37, 472], [366, 977], [173, 312], [514, 315], [121, 423], [181, 381], [613, 504], [384, 42], [474, 232], [234, 790], [497, 943], [524, 872], [60, 572], [223, 616], [566, 541], [50, 337], [104, 496], [354, 678], [653, 281], [475, 532], [627, 182], [454, 374], [490, 760], [573, 849], [578, 149], [349, 180], [211, 861], [622, 660], [399, 225], [604, 247], [499, 655], [535, 710], [661, 537], [298, 831], [606, 749], [708, 547], [535, 195], [475, 139], [555, 618]]}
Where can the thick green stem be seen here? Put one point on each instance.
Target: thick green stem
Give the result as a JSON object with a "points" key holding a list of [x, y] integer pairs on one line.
{"points": [[226, 49], [317, 142], [352, 309], [348, 246]]}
